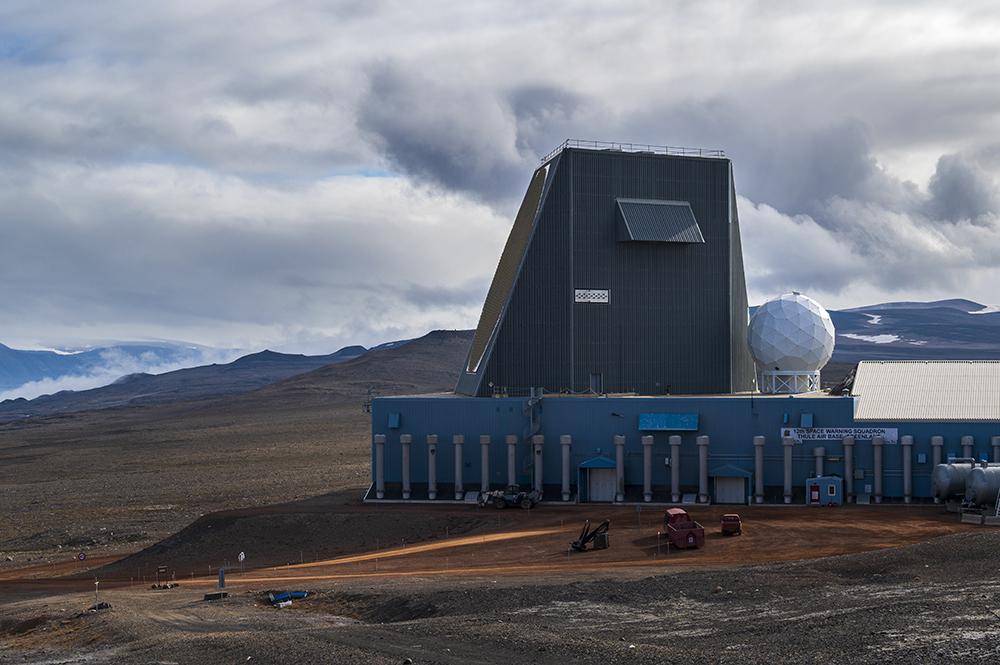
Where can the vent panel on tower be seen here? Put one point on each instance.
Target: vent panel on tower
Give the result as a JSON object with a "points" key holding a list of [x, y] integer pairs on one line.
{"points": [[644, 220]]}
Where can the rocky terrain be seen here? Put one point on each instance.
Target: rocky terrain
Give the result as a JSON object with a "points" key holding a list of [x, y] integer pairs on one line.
{"points": [[930, 602], [280, 472]]}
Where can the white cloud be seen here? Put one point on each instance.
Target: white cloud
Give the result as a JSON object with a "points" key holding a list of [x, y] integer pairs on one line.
{"points": [[307, 175], [348, 259], [115, 364]]}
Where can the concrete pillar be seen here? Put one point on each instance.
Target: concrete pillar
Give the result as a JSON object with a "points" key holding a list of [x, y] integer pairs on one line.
{"points": [[877, 443], [848, 469], [380, 466], [967, 444], [647, 468], [619, 468], [787, 442], [995, 442], [937, 443], [459, 441], [537, 441], [511, 459], [432, 472], [675, 468], [819, 452], [484, 460], [907, 443], [758, 469], [404, 446], [565, 441], [702, 469]]}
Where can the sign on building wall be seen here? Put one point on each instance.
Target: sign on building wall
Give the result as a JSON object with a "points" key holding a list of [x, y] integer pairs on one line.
{"points": [[592, 295], [800, 434]]}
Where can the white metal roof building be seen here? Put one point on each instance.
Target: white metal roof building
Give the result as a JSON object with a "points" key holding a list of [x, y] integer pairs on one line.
{"points": [[933, 390]]}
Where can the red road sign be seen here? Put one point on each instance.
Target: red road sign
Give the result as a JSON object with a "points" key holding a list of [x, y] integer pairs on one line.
{"points": [[81, 556]]}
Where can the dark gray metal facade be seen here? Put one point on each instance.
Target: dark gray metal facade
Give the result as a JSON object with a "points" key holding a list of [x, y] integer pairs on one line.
{"points": [[587, 311]]}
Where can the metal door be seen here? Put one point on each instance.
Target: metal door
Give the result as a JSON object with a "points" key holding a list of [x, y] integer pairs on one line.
{"points": [[601, 485], [730, 490]]}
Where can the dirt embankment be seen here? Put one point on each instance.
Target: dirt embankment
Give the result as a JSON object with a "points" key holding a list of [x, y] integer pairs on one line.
{"points": [[484, 586]]}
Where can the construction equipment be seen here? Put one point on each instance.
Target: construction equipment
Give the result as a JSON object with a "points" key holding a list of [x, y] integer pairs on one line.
{"points": [[510, 496], [599, 536]]}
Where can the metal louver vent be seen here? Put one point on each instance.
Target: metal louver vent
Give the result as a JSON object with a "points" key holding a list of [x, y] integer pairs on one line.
{"points": [[646, 220]]}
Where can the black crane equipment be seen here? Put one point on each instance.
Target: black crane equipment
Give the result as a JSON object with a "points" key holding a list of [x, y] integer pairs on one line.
{"points": [[587, 536]]}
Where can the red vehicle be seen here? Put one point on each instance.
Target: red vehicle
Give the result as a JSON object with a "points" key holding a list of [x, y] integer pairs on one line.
{"points": [[731, 525], [682, 531]]}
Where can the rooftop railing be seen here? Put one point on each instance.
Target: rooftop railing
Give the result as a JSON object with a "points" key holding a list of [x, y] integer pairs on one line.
{"points": [[634, 147]]}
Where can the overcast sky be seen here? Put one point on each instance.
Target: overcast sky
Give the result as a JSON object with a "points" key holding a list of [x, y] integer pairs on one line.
{"points": [[304, 175]]}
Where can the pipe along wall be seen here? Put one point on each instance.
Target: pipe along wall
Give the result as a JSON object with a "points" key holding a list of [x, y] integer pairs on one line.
{"points": [[977, 482]]}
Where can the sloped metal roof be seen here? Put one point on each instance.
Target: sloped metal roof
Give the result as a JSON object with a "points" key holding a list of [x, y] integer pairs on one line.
{"points": [[649, 220], [927, 390], [506, 273], [598, 463]]}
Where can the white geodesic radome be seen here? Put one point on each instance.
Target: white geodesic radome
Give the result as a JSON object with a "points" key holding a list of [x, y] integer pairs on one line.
{"points": [[791, 338]]}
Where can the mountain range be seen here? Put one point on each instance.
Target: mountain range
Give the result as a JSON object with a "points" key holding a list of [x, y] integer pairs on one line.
{"points": [[942, 330], [18, 367], [216, 380]]}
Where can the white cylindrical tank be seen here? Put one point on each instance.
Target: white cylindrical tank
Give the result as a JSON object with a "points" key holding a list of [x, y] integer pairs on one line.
{"points": [[948, 480], [982, 485]]}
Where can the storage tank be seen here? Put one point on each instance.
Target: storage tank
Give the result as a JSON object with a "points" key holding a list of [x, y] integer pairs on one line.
{"points": [[948, 480], [982, 485]]}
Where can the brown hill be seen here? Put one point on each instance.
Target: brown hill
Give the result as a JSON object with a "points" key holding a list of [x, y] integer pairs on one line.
{"points": [[115, 480], [429, 364]]}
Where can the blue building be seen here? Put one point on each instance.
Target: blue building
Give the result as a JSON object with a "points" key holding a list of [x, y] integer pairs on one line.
{"points": [[611, 364]]}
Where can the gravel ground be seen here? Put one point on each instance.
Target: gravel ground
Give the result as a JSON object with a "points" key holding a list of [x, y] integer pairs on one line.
{"points": [[116, 482], [932, 602]]}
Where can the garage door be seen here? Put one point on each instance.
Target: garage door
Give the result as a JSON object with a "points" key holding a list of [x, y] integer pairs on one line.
{"points": [[730, 490], [602, 485]]}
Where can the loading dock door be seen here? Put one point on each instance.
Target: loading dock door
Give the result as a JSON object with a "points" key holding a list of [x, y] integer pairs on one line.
{"points": [[601, 484], [730, 490]]}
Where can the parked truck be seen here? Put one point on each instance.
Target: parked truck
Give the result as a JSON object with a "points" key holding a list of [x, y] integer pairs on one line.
{"points": [[682, 531], [732, 525]]}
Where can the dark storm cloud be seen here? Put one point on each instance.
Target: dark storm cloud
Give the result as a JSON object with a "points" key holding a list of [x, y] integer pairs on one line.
{"points": [[545, 116], [961, 190], [481, 141], [465, 295], [457, 138], [944, 241]]}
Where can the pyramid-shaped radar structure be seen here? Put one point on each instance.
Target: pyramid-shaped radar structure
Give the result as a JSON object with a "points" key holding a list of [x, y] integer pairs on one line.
{"points": [[791, 333], [622, 273]]}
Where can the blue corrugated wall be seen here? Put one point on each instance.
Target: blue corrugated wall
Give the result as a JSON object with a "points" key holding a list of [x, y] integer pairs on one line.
{"points": [[731, 423]]}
